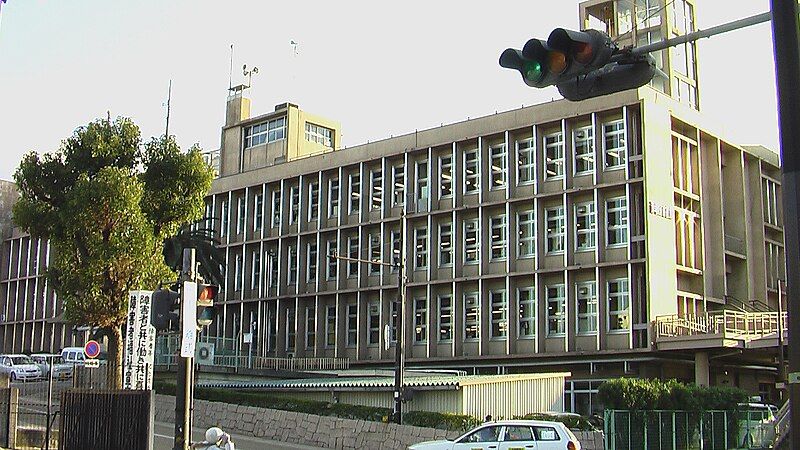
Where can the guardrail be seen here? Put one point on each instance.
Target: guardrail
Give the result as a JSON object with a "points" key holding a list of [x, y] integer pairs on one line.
{"points": [[722, 322]]}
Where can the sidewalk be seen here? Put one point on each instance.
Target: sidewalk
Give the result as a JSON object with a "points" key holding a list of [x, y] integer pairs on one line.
{"points": [[164, 436]]}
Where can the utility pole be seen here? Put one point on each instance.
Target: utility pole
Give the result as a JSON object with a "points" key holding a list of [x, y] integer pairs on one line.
{"points": [[185, 381], [399, 352], [785, 38]]}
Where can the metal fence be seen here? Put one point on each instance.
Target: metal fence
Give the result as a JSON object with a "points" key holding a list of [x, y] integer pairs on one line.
{"points": [[106, 420], [684, 430]]}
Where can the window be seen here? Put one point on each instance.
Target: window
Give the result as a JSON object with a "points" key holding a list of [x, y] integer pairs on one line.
{"points": [[330, 326], [292, 279], [471, 242], [556, 310], [355, 193], [333, 263], [294, 204], [273, 269], [526, 297], [583, 143], [499, 329], [352, 253], [555, 229], [618, 305], [258, 212], [237, 273], [445, 318], [377, 188], [374, 322], [276, 208], [255, 278], [333, 197], [313, 201], [518, 433], [352, 324], [374, 253], [614, 144], [393, 326], [617, 221], [526, 229], [769, 194], [291, 329], [420, 320], [586, 302], [485, 434], [545, 433], [265, 132], [497, 175], [311, 327], [398, 185], [526, 161], [445, 244], [311, 261], [775, 270], [472, 316], [319, 134], [585, 227], [421, 248], [422, 181], [498, 237], [240, 215], [554, 156], [224, 220], [446, 175], [471, 172], [396, 253]]}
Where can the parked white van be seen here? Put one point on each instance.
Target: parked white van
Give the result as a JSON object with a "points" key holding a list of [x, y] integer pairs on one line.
{"points": [[73, 355]]}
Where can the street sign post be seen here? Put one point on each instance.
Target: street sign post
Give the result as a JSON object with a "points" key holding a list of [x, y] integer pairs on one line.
{"points": [[139, 342], [91, 349], [91, 363]]}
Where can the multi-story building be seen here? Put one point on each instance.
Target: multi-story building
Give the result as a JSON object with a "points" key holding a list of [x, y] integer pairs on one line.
{"points": [[596, 237]]}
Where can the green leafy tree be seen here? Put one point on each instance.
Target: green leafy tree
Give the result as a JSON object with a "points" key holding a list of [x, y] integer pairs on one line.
{"points": [[107, 202]]}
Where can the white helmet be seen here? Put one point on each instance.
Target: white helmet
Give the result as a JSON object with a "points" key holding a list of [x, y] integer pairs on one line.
{"points": [[213, 435]]}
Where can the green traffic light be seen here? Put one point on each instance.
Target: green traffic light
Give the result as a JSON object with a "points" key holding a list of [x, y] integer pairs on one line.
{"points": [[533, 71]]}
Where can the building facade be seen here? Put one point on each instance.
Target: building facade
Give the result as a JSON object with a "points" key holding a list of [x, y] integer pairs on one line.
{"points": [[557, 237]]}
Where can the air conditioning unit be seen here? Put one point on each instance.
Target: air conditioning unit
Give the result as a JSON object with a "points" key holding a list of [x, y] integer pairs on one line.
{"points": [[205, 353]]}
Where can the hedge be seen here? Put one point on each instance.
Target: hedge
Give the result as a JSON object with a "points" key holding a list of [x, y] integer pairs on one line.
{"points": [[651, 394]]}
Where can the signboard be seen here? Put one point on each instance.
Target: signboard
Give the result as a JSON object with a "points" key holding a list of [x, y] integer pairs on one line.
{"points": [[140, 338], [794, 378], [91, 363], [91, 349], [247, 338], [189, 319]]}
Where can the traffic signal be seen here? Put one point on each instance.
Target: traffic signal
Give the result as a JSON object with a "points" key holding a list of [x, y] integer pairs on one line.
{"points": [[206, 293], [166, 303], [582, 64]]}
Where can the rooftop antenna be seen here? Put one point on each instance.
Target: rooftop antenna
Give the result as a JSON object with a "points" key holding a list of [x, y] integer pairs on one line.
{"points": [[294, 46], [249, 74], [169, 99], [230, 73]]}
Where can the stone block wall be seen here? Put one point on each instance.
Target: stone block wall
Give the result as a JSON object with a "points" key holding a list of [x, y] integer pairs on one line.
{"points": [[309, 429]]}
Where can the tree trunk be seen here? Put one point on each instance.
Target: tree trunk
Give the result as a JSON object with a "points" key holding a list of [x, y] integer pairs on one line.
{"points": [[115, 347]]}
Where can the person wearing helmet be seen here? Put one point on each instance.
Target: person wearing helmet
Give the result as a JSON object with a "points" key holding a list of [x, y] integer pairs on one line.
{"points": [[216, 439]]}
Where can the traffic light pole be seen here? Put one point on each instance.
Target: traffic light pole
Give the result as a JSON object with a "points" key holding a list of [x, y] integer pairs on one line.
{"points": [[785, 36], [183, 388]]}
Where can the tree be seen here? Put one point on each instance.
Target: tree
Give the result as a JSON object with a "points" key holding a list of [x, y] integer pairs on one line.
{"points": [[107, 202]]}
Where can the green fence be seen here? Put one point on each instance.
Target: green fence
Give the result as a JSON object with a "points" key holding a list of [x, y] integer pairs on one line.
{"points": [[679, 430]]}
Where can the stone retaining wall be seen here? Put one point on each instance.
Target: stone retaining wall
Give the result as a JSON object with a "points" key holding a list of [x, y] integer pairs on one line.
{"points": [[309, 429]]}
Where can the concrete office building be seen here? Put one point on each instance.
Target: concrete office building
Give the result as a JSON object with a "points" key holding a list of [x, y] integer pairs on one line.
{"points": [[618, 236]]}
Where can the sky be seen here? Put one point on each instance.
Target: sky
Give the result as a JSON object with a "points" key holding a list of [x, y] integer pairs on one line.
{"points": [[378, 68]]}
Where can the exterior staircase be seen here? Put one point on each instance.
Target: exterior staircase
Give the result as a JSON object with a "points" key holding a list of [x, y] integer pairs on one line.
{"points": [[782, 429]]}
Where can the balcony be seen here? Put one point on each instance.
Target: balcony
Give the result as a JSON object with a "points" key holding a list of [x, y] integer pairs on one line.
{"points": [[729, 329]]}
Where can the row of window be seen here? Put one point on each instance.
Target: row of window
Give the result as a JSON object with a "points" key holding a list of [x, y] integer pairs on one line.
{"points": [[275, 130], [617, 313]]}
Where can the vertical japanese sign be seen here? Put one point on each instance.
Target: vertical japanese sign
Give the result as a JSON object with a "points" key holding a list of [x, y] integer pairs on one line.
{"points": [[139, 342], [189, 319]]}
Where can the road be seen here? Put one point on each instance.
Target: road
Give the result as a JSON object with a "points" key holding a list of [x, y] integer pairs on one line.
{"points": [[164, 437]]}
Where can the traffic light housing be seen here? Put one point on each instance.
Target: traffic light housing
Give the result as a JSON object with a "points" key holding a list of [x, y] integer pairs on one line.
{"points": [[166, 303], [206, 293], [582, 64]]}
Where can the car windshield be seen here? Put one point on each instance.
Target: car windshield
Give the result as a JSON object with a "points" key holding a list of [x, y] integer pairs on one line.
{"points": [[16, 360]]}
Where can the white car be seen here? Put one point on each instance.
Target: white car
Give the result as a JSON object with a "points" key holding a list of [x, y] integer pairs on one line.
{"points": [[61, 370], [20, 368], [510, 435], [757, 425]]}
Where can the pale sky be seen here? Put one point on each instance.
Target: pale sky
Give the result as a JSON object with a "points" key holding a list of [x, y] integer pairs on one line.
{"points": [[378, 68]]}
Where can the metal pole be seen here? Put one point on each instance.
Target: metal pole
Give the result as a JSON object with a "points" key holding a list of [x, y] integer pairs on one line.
{"points": [[781, 361], [49, 401], [183, 390], [398, 350], [785, 37]]}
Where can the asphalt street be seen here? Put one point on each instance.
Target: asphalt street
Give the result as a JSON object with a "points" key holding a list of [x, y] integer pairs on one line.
{"points": [[163, 439]]}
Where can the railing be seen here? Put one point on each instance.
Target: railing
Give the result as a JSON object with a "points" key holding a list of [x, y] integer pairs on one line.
{"points": [[722, 322], [783, 421], [260, 363]]}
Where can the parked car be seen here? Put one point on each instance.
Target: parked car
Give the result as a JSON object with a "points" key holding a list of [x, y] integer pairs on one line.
{"points": [[73, 355], [61, 370], [20, 368], [509, 434], [757, 425]]}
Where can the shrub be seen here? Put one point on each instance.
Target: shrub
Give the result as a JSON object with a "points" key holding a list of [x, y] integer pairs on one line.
{"points": [[650, 394], [442, 421], [572, 421]]}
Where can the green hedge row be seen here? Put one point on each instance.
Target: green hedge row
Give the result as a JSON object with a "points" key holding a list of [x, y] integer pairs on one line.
{"points": [[649, 394]]}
